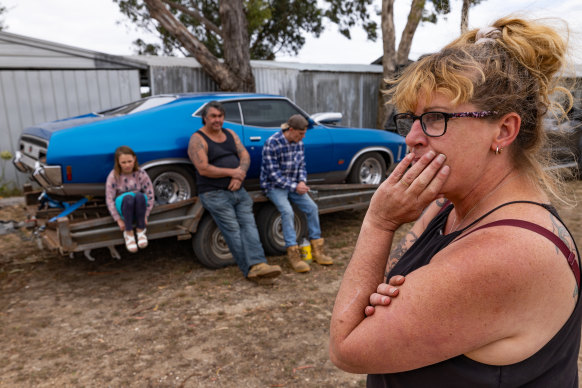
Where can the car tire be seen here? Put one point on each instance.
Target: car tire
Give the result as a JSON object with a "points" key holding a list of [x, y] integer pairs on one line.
{"points": [[210, 246], [172, 183], [271, 230], [369, 168]]}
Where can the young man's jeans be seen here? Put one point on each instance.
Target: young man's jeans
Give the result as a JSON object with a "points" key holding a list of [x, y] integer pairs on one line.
{"points": [[233, 213], [281, 198]]}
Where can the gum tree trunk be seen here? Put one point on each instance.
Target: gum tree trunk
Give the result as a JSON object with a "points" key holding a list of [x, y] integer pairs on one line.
{"points": [[392, 59]]}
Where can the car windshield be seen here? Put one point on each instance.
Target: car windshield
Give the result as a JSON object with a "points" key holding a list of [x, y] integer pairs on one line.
{"points": [[138, 106]]}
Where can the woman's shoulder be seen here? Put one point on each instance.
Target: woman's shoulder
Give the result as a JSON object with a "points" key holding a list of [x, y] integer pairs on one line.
{"points": [[541, 214], [516, 242], [520, 271]]}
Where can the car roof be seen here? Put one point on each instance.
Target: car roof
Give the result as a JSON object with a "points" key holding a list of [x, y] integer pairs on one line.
{"points": [[220, 95]]}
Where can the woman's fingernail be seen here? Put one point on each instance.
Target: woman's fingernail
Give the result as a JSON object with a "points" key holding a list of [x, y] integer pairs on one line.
{"points": [[384, 299], [441, 158], [431, 154], [393, 290]]}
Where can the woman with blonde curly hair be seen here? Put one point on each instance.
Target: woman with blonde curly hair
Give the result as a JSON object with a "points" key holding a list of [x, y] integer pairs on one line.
{"points": [[491, 296]]}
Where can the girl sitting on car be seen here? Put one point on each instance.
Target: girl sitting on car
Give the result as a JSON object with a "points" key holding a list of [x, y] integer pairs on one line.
{"points": [[129, 196]]}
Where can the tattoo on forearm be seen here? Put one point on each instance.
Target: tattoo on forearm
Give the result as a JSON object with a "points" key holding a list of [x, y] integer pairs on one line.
{"points": [[245, 161], [401, 249]]}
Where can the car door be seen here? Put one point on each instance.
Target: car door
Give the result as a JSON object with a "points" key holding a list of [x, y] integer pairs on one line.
{"points": [[263, 117]]}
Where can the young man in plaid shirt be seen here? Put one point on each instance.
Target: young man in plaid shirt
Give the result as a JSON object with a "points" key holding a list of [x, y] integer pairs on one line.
{"points": [[283, 177]]}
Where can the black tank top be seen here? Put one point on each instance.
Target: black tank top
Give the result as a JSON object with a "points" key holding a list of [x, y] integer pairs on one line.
{"points": [[220, 155], [554, 365]]}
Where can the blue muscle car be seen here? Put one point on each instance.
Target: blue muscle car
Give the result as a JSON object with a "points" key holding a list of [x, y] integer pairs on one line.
{"points": [[73, 156]]}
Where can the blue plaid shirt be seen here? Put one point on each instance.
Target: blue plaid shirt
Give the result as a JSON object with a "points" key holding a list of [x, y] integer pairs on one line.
{"points": [[283, 164]]}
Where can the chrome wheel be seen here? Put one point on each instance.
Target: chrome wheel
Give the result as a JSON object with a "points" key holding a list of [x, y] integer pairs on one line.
{"points": [[370, 171], [170, 187], [370, 168]]}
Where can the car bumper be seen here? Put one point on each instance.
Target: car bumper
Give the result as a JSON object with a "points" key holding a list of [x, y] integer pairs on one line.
{"points": [[46, 176]]}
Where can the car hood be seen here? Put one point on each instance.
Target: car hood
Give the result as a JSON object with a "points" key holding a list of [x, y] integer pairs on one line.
{"points": [[45, 130]]}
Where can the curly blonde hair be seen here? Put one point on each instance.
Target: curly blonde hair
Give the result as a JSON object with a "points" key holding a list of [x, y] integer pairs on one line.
{"points": [[515, 67]]}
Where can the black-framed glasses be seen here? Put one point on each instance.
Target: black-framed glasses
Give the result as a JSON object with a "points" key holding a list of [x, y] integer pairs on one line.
{"points": [[434, 124]]}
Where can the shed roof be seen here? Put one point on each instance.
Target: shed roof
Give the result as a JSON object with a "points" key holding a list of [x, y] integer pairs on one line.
{"points": [[22, 52], [158, 61]]}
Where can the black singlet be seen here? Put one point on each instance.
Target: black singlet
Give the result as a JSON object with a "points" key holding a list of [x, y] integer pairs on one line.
{"points": [[554, 365], [220, 155]]}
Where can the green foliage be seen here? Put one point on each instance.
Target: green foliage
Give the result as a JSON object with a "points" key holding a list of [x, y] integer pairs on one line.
{"points": [[143, 48], [7, 189], [441, 7], [348, 13], [274, 26], [279, 25]]}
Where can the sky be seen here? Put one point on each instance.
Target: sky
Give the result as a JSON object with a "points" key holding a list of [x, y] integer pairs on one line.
{"points": [[98, 25]]}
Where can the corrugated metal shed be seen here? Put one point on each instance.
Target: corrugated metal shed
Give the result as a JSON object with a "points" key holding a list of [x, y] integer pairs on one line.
{"points": [[349, 89], [43, 81]]}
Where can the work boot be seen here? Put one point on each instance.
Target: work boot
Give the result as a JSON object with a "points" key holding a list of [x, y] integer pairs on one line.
{"points": [[263, 273], [318, 253], [294, 257]]}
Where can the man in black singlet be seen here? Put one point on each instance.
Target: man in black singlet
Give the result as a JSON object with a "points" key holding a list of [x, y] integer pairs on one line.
{"points": [[221, 163]]}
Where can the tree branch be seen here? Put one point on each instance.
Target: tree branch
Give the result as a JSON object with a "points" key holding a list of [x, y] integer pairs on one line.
{"points": [[218, 71], [406, 40], [196, 14]]}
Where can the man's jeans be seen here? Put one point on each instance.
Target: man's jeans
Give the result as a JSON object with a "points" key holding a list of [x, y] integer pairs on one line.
{"points": [[233, 213], [281, 198]]}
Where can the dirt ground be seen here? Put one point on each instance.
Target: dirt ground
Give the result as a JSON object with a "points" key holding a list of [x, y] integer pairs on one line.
{"points": [[160, 319]]}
